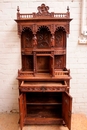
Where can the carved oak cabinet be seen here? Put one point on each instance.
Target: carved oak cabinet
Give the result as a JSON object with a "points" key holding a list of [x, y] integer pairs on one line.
{"points": [[44, 80]]}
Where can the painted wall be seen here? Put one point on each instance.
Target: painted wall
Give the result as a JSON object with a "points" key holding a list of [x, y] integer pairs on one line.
{"points": [[10, 51]]}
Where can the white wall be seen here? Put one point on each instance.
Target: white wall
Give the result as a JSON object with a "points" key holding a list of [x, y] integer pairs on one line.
{"points": [[10, 51]]}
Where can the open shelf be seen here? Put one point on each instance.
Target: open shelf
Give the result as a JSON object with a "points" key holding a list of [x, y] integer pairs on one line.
{"points": [[44, 111], [43, 64], [42, 121], [44, 98]]}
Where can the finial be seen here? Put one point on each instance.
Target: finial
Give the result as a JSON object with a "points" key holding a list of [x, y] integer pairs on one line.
{"points": [[18, 9], [67, 8]]}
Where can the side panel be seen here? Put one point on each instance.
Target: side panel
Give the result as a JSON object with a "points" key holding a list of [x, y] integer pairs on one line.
{"points": [[66, 109], [25, 109], [21, 111]]}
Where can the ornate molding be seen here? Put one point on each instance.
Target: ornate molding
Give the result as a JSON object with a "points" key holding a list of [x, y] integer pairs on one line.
{"points": [[43, 14], [42, 89]]}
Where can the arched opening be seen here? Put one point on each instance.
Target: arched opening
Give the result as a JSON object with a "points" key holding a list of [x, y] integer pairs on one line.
{"points": [[26, 38], [60, 37]]}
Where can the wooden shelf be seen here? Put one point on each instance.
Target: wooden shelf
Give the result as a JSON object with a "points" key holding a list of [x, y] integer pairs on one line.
{"points": [[44, 103], [42, 121]]}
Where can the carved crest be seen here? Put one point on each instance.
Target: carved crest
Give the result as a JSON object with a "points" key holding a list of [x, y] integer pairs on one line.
{"points": [[43, 10]]}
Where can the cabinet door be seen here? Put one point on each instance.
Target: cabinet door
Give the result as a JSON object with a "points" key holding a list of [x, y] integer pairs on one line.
{"points": [[66, 109], [21, 110]]}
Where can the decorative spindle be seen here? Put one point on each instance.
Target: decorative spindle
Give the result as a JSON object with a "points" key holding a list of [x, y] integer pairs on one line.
{"points": [[52, 41], [68, 13], [34, 40]]}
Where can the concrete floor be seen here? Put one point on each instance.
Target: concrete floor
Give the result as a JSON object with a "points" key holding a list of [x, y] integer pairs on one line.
{"points": [[10, 122]]}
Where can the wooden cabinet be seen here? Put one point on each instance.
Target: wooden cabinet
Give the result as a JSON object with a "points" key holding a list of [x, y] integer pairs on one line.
{"points": [[44, 80]]}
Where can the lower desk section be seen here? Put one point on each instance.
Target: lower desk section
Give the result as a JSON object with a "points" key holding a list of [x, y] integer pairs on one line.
{"points": [[42, 107]]}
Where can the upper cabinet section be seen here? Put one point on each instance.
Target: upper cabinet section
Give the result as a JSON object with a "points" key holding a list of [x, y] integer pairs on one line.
{"points": [[43, 39], [44, 23], [43, 42]]}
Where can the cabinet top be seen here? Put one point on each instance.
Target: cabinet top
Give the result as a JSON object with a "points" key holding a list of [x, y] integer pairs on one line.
{"points": [[43, 12], [43, 18]]}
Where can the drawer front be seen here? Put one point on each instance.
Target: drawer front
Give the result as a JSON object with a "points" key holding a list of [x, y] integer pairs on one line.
{"points": [[42, 89], [43, 86]]}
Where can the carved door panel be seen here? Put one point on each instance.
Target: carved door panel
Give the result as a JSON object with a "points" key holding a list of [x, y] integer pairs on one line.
{"points": [[66, 109], [59, 62], [22, 109]]}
